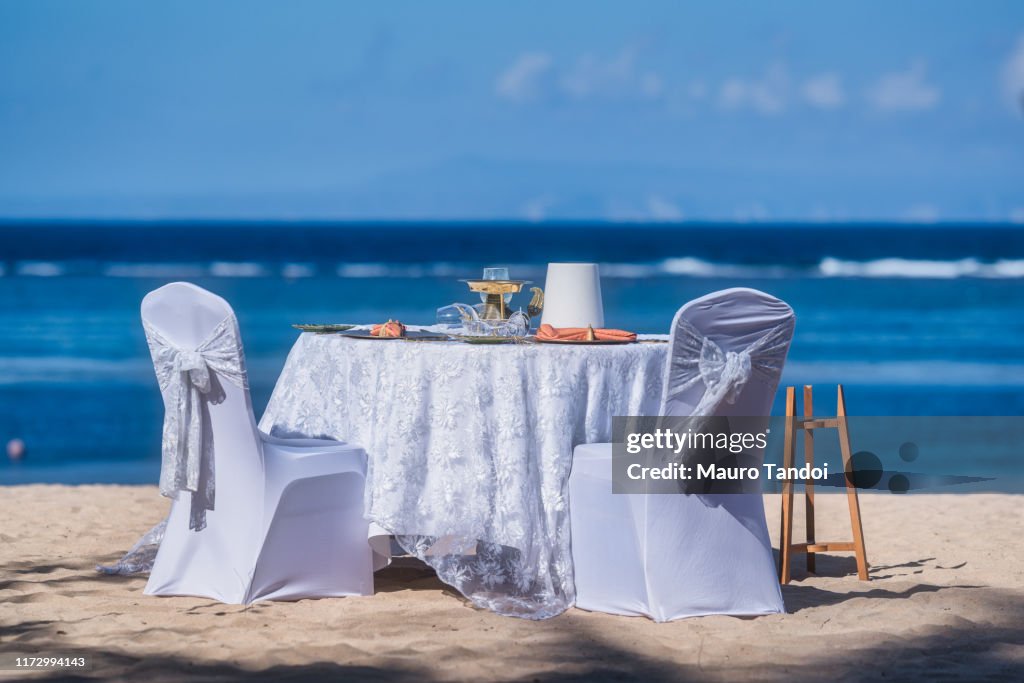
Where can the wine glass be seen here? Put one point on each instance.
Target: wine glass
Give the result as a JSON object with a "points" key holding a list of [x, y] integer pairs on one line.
{"points": [[455, 316], [496, 273], [517, 325]]}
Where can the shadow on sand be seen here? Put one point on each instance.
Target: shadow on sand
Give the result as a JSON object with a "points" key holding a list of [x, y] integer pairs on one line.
{"points": [[582, 647]]}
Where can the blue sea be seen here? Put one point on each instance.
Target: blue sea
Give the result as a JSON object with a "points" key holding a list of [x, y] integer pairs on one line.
{"points": [[913, 320]]}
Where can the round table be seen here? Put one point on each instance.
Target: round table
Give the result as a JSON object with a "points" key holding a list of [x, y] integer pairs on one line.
{"points": [[470, 446]]}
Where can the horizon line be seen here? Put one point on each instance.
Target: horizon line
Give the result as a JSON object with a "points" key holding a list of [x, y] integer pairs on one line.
{"points": [[519, 222]]}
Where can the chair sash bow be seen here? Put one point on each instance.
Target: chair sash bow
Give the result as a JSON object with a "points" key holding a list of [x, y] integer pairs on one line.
{"points": [[696, 358], [724, 373], [185, 380]]}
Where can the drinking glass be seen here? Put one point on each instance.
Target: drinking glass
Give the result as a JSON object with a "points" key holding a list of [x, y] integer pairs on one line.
{"points": [[496, 273]]}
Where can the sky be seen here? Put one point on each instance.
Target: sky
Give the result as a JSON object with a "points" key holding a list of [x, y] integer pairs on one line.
{"points": [[571, 110]]}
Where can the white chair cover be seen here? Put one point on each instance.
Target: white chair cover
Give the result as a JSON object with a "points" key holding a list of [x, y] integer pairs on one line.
{"points": [[253, 517], [672, 556]]}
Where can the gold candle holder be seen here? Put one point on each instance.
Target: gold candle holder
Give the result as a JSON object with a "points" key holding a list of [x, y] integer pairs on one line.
{"points": [[494, 306]]}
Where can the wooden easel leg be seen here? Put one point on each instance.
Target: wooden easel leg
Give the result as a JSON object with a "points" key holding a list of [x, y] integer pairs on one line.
{"points": [[789, 446], [851, 490], [809, 484]]}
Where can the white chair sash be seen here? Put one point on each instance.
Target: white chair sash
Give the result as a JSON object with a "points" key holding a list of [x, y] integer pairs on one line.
{"points": [[696, 358], [185, 379]]}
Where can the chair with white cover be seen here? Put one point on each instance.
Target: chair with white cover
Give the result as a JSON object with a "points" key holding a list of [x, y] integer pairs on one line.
{"points": [[669, 556], [253, 517]]}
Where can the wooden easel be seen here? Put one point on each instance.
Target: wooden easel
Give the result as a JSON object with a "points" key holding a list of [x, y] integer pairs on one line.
{"points": [[808, 423]]}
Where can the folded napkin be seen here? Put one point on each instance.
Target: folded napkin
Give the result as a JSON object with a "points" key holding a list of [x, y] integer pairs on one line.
{"points": [[547, 332], [391, 328]]}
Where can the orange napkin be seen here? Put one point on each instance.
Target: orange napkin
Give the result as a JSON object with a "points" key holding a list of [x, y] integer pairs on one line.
{"points": [[583, 334], [391, 328]]}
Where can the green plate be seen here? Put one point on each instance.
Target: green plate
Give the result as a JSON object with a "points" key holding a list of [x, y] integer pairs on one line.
{"points": [[324, 329], [410, 335]]}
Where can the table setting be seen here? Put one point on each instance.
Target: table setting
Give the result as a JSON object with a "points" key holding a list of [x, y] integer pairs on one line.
{"points": [[490, 463], [493, 321], [469, 424]]}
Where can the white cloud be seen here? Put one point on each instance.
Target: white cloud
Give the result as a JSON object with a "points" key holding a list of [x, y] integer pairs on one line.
{"points": [[824, 91], [1013, 75], [662, 209], [906, 90], [535, 74], [766, 95], [521, 81], [618, 76]]}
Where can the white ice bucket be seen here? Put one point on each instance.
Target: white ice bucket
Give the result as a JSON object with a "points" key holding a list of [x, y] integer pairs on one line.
{"points": [[572, 296]]}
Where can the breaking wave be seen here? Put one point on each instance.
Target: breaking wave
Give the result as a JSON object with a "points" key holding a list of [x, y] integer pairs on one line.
{"points": [[686, 266]]}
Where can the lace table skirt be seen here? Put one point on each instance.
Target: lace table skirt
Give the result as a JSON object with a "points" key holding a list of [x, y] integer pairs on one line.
{"points": [[470, 446]]}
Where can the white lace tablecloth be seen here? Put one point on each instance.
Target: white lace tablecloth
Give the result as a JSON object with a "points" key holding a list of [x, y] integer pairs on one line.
{"points": [[470, 446]]}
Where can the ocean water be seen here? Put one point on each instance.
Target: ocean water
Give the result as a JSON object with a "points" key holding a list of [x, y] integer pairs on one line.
{"points": [[920, 321]]}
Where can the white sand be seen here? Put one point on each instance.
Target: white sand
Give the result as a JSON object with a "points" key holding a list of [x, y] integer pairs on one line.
{"points": [[946, 599]]}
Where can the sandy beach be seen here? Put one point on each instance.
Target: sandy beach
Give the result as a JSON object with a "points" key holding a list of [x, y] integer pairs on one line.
{"points": [[946, 599]]}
